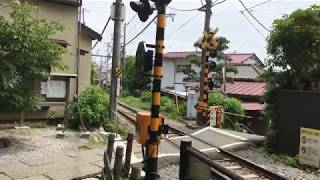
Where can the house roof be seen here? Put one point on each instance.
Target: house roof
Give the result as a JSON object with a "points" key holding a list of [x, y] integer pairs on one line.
{"points": [[246, 88], [93, 34], [246, 72], [182, 54], [252, 106], [62, 42], [67, 2], [234, 58], [239, 58]]}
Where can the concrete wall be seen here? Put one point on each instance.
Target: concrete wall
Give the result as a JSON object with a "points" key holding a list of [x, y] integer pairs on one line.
{"points": [[295, 109], [85, 62], [172, 78]]}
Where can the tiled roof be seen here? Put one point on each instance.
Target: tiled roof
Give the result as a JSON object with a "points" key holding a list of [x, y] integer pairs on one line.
{"points": [[252, 106], [235, 58], [238, 58], [246, 88], [183, 54], [246, 72]]}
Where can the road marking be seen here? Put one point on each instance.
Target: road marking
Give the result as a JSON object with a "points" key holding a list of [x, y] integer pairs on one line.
{"points": [[229, 134]]}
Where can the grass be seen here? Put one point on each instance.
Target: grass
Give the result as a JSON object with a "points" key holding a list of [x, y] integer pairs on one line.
{"points": [[135, 102], [138, 103]]}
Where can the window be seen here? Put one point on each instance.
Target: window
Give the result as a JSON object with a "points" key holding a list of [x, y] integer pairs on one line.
{"points": [[54, 89], [181, 68]]}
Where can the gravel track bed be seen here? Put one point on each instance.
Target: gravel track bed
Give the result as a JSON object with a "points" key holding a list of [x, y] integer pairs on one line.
{"points": [[262, 158], [170, 172]]}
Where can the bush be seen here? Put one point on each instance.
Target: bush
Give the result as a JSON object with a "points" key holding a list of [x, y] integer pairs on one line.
{"points": [[231, 105], [115, 127], [124, 93], [93, 103], [146, 96]]}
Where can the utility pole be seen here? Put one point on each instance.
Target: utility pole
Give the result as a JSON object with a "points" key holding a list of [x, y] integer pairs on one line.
{"points": [[123, 51], [115, 58], [203, 114]]}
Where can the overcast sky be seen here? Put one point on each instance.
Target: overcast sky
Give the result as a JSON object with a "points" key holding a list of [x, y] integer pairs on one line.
{"points": [[227, 17]]}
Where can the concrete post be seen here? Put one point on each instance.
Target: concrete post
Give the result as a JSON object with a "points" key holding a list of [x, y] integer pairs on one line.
{"points": [[115, 58]]}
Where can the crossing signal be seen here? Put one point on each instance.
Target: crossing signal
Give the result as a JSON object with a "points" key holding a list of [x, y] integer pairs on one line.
{"points": [[143, 9], [210, 84], [144, 61], [212, 66], [213, 53]]}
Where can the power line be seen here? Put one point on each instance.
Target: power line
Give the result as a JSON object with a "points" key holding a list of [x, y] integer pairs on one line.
{"points": [[129, 22], [259, 4], [253, 25], [104, 28], [182, 25], [196, 9], [140, 32], [253, 16]]}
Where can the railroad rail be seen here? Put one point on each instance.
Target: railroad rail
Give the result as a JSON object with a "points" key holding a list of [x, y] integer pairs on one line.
{"points": [[226, 165]]}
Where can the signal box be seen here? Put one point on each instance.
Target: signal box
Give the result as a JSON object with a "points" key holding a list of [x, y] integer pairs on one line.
{"points": [[143, 120]]}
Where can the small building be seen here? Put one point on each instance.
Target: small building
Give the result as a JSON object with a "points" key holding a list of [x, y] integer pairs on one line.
{"points": [[62, 86], [174, 63]]}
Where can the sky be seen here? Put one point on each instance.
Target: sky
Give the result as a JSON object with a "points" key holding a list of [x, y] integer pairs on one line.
{"points": [[227, 16]]}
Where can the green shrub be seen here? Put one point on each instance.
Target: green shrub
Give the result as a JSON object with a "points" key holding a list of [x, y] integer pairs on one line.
{"points": [[115, 127], [146, 96], [93, 103], [231, 105], [215, 99], [124, 93]]}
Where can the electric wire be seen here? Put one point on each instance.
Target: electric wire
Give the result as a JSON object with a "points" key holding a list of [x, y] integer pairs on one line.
{"points": [[140, 32], [176, 9], [182, 25], [259, 4], [246, 17], [104, 29], [253, 16]]}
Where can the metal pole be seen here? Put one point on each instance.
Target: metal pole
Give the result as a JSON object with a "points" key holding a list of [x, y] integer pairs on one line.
{"points": [[152, 143], [115, 57], [184, 159], [203, 114]]}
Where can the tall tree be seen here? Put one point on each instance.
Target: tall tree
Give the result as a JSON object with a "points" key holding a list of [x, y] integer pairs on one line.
{"points": [[294, 49], [294, 46], [27, 56]]}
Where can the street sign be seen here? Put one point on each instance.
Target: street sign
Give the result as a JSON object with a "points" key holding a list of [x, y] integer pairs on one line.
{"points": [[118, 71], [309, 151]]}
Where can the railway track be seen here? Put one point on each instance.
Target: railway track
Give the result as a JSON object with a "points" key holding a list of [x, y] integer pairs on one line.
{"points": [[227, 165]]}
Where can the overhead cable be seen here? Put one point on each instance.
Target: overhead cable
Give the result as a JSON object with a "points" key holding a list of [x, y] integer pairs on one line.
{"points": [[140, 32], [104, 28], [253, 25], [253, 16]]}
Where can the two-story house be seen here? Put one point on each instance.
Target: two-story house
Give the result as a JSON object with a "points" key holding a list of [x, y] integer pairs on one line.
{"points": [[63, 84]]}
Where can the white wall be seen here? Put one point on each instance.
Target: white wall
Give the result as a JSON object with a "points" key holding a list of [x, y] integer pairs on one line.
{"points": [[168, 74]]}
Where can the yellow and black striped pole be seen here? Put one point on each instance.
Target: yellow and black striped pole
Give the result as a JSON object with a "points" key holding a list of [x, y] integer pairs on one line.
{"points": [[154, 134]]}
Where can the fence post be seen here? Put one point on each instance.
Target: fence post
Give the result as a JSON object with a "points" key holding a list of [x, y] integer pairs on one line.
{"points": [[184, 159], [111, 138], [118, 163], [106, 171], [135, 173], [128, 155]]}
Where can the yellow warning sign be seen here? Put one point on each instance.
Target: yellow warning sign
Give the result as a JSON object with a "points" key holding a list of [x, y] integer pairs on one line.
{"points": [[118, 71]]}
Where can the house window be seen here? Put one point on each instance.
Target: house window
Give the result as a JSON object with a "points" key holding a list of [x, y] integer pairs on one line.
{"points": [[54, 89], [181, 68]]}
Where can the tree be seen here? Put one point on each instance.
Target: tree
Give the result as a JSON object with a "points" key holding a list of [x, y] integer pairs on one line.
{"points": [[294, 49], [130, 83], [27, 57], [93, 73], [294, 46]]}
